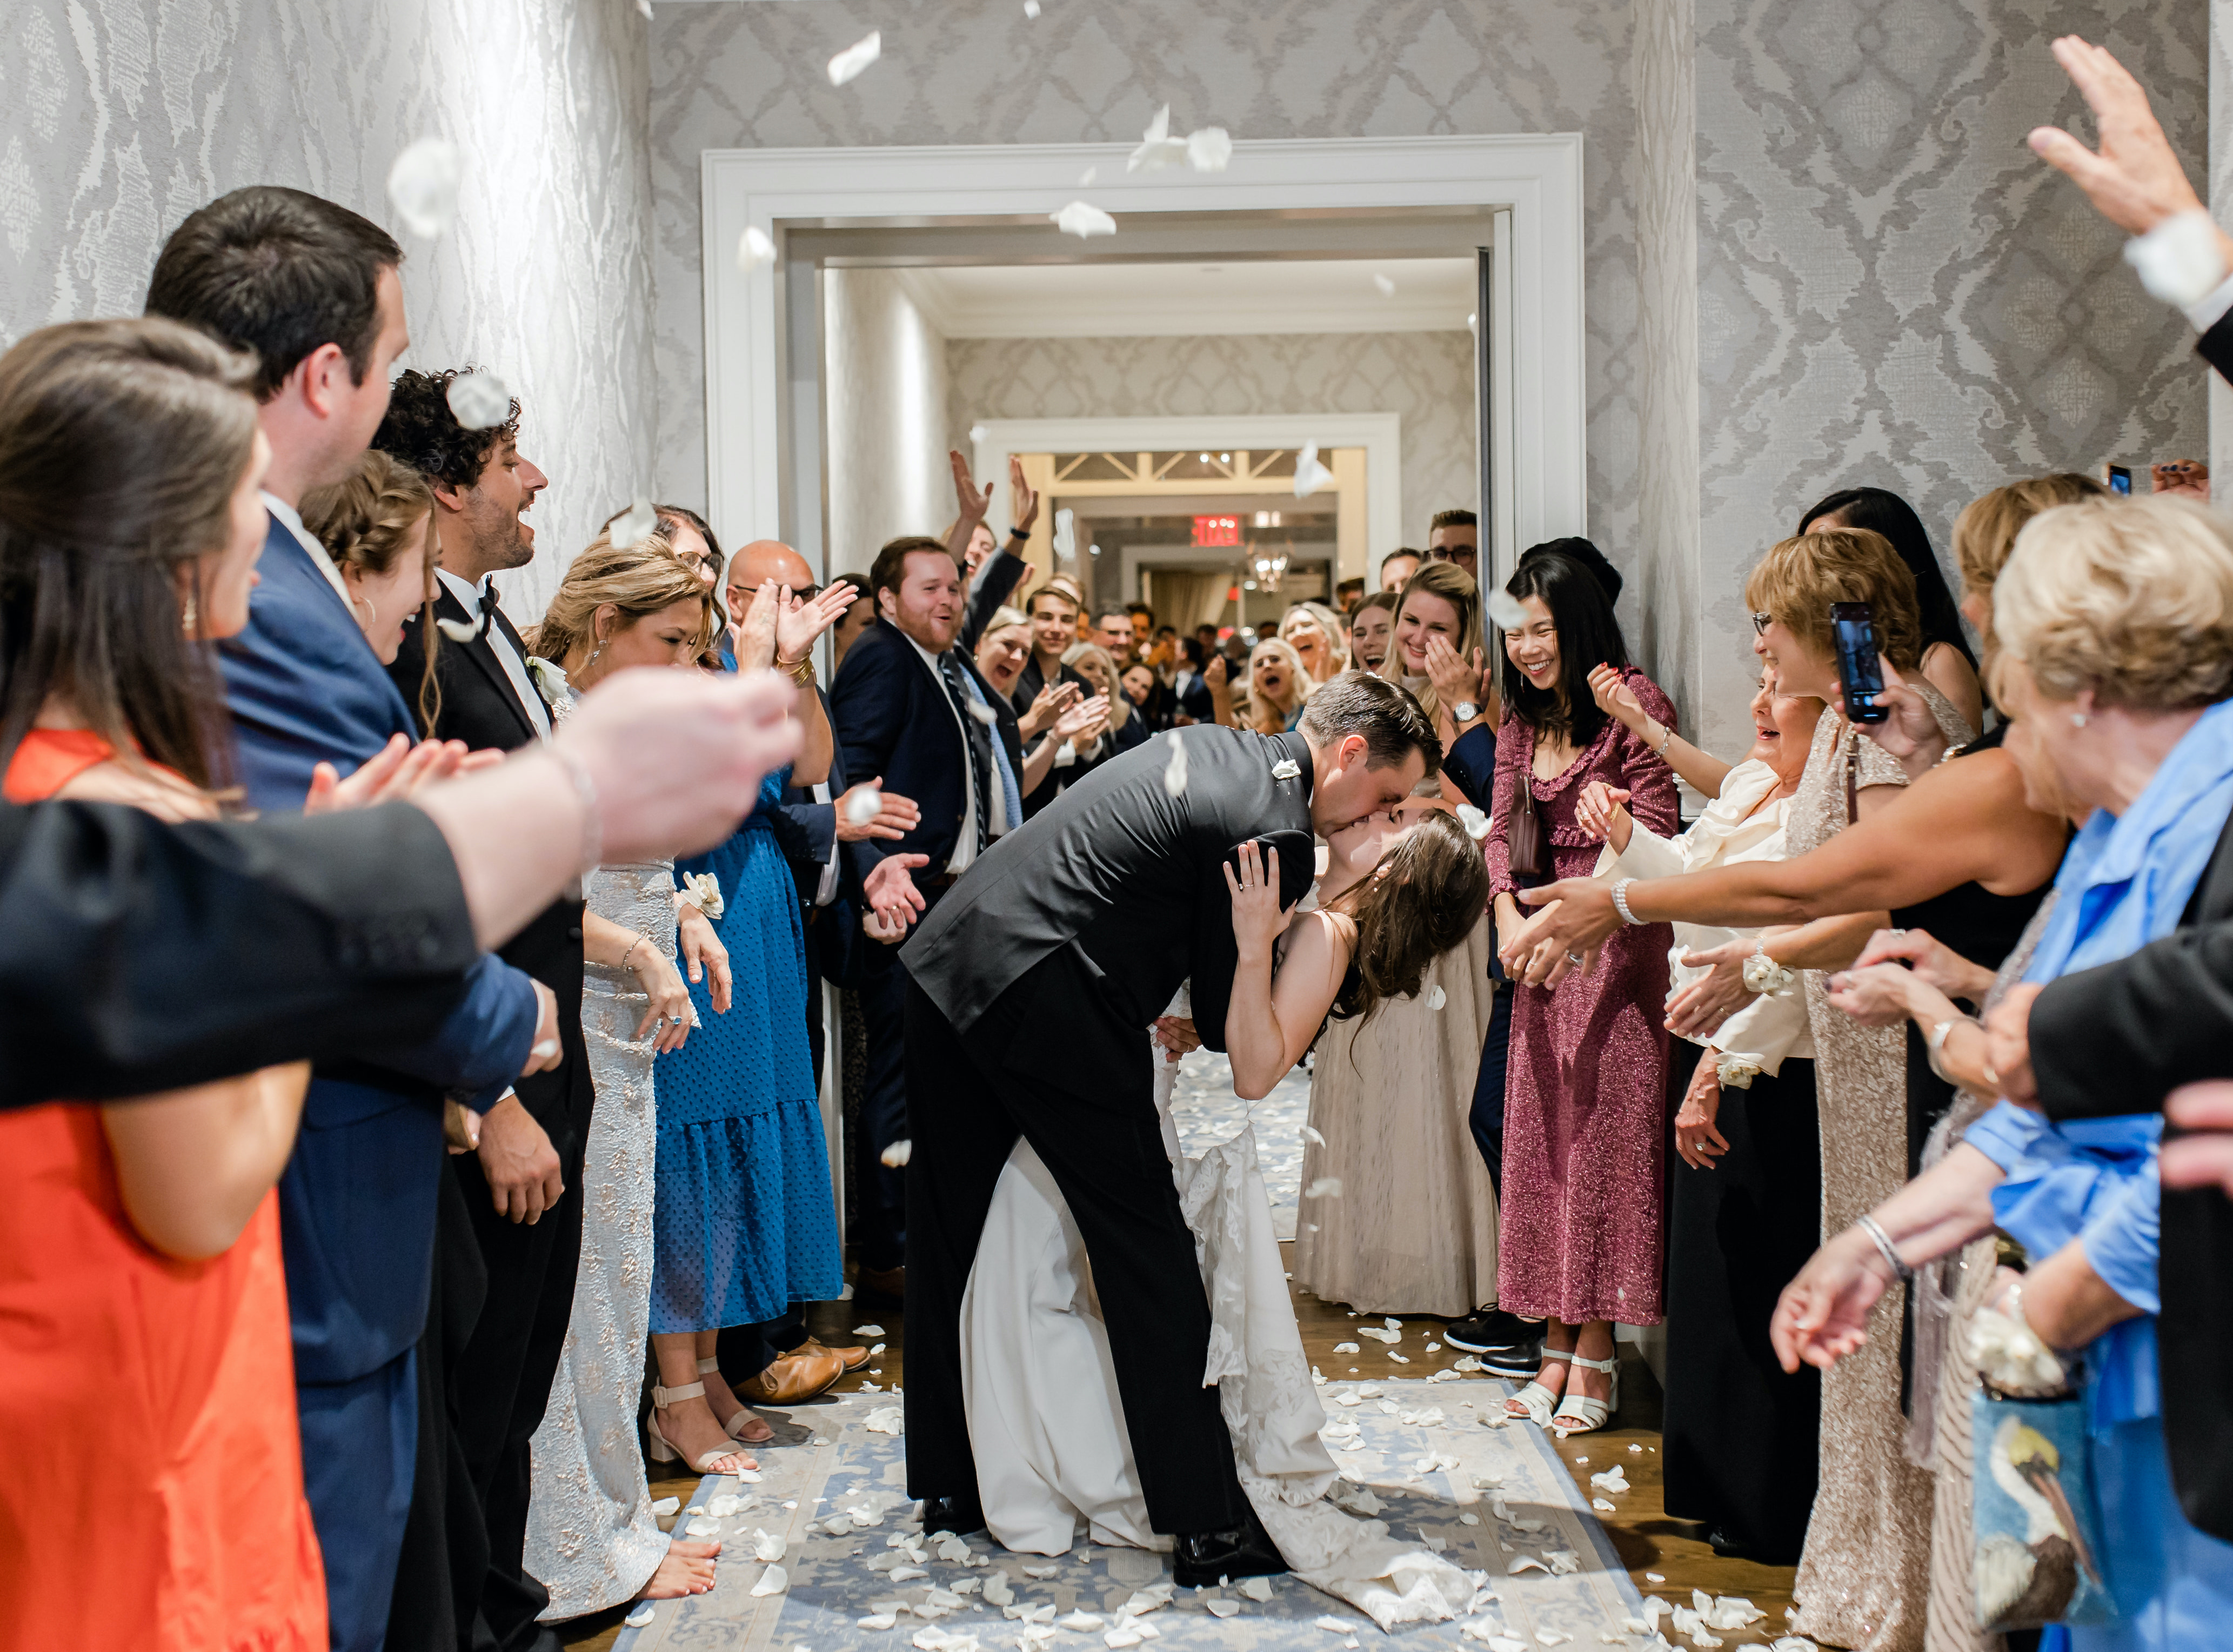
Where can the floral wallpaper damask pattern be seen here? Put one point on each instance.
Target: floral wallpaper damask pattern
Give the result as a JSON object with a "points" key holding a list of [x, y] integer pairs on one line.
{"points": [[1425, 377], [122, 116]]}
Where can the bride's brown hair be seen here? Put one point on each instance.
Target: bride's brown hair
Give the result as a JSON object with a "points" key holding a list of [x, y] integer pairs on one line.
{"points": [[1422, 901]]}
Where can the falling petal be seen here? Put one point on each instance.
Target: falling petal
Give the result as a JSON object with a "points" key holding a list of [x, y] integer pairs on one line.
{"points": [[1387, 287], [1475, 822], [1323, 1187], [1032, 10], [1066, 535], [422, 185], [1083, 221], [1505, 612], [643, 9], [458, 630], [1157, 147], [1175, 771], [1437, 998], [1085, 178], [898, 1153], [1310, 475], [478, 400], [1208, 149], [983, 712], [868, 1331], [638, 525], [1311, 1134], [754, 249], [849, 63], [642, 1616]]}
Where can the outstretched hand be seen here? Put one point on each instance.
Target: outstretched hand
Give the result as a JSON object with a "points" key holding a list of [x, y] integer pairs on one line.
{"points": [[2134, 180], [1023, 498], [1258, 918], [798, 623], [397, 773], [1823, 1315], [972, 501]]}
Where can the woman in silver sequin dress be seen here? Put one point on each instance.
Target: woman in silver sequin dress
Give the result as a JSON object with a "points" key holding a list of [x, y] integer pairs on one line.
{"points": [[592, 1540]]}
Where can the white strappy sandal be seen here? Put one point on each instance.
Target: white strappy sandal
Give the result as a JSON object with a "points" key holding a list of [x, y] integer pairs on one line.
{"points": [[663, 1450], [1536, 1400], [1577, 1413]]}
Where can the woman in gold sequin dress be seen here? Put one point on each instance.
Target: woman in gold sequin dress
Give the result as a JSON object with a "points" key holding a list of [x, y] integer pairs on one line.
{"points": [[1863, 1578]]}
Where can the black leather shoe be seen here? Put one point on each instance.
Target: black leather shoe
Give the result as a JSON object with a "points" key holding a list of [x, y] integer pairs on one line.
{"points": [[959, 1515], [1201, 1558], [1507, 1344]]}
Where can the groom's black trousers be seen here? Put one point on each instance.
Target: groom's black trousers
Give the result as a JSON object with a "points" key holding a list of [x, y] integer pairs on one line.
{"points": [[1048, 1061]]}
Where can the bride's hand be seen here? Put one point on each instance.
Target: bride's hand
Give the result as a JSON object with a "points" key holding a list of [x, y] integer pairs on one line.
{"points": [[1258, 919]]}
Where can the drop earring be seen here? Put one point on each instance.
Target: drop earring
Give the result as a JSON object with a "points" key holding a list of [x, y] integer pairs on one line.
{"points": [[190, 616], [2078, 719]]}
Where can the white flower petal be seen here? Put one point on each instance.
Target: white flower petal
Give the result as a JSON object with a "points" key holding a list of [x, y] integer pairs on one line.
{"points": [[1286, 769], [1602, 1507], [1311, 1133], [1085, 178], [1475, 822], [1310, 475], [887, 1420], [1175, 771], [641, 1618], [1032, 10], [1387, 287], [754, 249], [1066, 535], [1435, 999], [1324, 1187], [666, 1505], [458, 630], [479, 399], [637, 525], [422, 185], [983, 713], [864, 805], [1083, 221], [868, 1331], [1223, 1608], [1257, 1589], [898, 1153], [643, 9], [1208, 149], [849, 63], [1504, 610]]}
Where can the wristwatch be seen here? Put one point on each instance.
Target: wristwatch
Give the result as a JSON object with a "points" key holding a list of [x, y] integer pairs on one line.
{"points": [[1465, 710]]}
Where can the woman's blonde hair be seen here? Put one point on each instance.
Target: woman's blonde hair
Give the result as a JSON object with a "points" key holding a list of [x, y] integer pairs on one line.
{"points": [[1799, 578], [1264, 717], [1457, 588], [1986, 531], [1335, 629], [2132, 598], [640, 580], [1120, 708], [365, 521]]}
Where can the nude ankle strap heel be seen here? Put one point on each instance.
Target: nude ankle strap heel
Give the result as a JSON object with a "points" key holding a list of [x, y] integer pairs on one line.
{"points": [[663, 1450]]}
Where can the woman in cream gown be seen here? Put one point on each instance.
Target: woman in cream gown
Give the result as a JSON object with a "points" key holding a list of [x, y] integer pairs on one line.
{"points": [[1045, 1421]]}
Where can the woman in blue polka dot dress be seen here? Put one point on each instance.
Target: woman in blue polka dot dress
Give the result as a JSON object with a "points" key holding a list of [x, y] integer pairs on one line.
{"points": [[744, 1222]]}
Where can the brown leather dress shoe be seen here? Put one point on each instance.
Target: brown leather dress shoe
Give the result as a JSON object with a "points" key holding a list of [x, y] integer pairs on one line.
{"points": [[880, 1284], [854, 1358], [796, 1376]]}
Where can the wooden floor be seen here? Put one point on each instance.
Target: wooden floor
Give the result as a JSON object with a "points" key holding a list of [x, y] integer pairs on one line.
{"points": [[1663, 1556]]}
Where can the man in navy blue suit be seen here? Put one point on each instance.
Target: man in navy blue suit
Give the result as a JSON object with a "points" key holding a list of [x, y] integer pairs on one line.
{"points": [[910, 705], [315, 291]]}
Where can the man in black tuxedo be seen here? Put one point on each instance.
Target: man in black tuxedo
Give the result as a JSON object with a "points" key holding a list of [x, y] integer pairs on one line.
{"points": [[523, 1189], [1030, 989], [909, 704], [2102, 1040]]}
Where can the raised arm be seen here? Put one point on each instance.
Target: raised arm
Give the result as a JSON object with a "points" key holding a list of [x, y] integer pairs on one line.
{"points": [[1704, 771], [1269, 1024]]}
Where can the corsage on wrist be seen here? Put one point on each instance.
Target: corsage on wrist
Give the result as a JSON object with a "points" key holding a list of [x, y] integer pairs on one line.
{"points": [[1762, 974], [703, 891]]}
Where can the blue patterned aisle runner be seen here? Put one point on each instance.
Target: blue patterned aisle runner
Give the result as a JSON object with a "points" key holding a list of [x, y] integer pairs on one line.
{"points": [[1491, 1499], [1207, 1112]]}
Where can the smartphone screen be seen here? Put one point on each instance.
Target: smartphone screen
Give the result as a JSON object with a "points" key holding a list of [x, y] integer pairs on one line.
{"points": [[2120, 479], [1859, 673]]}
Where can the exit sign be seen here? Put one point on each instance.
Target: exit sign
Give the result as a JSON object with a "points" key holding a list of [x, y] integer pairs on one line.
{"points": [[1217, 530]]}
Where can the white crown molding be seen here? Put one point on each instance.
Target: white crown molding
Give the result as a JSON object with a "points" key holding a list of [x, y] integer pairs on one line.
{"points": [[1537, 177]]}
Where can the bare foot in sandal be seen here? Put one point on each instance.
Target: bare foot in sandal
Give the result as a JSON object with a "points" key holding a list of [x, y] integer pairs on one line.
{"points": [[685, 1569], [743, 1423]]}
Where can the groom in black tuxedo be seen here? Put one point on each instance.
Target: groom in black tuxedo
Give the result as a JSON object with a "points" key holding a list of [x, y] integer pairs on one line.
{"points": [[1030, 989]]}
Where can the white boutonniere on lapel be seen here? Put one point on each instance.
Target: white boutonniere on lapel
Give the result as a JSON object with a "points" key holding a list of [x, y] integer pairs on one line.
{"points": [[1286, 769], [703, 890]]}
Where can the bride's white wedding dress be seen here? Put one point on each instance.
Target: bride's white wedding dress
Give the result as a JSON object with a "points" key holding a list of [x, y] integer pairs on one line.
{"points": [[1047, 1425]]}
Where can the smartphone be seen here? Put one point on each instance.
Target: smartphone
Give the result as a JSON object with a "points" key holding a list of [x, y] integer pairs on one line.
{"points": [[2118, 477], [1860, 671]]}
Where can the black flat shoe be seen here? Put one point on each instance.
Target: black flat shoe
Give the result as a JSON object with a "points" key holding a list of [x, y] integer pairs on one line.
{"points": [[1729, 1546], [1507, 1344], [1201, 1558], [959, 1515]]}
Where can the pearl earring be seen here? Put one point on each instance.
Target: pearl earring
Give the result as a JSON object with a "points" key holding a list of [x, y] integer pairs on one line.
{"points": [[190, 617], [2078, 719]]}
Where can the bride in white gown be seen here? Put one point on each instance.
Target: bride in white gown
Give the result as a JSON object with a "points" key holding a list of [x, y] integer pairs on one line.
{"points": [[1045, 1421]]}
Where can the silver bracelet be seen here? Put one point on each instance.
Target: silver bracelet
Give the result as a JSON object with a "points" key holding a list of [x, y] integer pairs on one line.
{"points": [[631, 953], [1874, 1229], [1620, 901], [593, 825]]}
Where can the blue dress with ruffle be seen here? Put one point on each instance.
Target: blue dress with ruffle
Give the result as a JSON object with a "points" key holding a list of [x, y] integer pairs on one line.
{"points": [[744, 1224]]}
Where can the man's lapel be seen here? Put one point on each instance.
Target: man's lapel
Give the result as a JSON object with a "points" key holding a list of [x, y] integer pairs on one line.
{"points": [[447, 607]]}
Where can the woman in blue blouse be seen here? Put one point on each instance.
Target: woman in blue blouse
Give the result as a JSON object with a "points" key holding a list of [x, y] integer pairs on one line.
{"points": [[2116, 623]]}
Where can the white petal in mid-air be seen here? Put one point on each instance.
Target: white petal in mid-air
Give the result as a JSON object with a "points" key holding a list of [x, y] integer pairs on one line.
{"points": [[422, 185], [1209, 149], [1157, 147], [1310, 475], [1175, 771], [849, 63], [1323, 1187], [1505, 612], [1066, 535], [754, 250], [1435, 997], [1031, 9], [638, 525], [1387, 287], [1083, 221], [864, 805], [898, 1153], [479, 399]]}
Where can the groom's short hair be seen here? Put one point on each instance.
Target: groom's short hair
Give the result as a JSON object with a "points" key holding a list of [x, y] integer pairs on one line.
{"points": [[1393, 723]]}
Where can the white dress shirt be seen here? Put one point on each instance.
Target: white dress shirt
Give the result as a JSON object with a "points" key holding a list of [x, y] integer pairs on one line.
{"points": [[292, 519], [965, 846], [825, 891], [1737, 827], [507, 656]]}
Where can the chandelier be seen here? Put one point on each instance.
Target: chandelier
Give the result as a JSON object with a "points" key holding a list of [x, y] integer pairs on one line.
{"points": [[1270, 567]]}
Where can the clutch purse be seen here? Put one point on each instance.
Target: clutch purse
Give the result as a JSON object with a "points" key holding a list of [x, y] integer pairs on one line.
{"points": [[2037, 1559], [1523, 834]]}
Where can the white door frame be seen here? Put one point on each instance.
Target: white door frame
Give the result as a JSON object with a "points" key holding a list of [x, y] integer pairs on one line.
{"points": [[1539, 177], [1380, 434]]}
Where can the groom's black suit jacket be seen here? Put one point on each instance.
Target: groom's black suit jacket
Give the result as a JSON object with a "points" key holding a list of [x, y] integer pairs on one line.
{"points": [[1132, 875]]}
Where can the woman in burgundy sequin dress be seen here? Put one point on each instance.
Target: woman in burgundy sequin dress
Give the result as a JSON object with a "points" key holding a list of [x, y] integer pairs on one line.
{"points": [[1585, 1113]]}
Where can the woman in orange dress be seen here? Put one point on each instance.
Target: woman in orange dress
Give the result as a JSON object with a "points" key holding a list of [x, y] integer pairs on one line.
{"points": [[151, 1484]]}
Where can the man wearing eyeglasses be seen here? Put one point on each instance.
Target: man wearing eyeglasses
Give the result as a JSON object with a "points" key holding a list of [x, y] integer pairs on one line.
{"points": [[1454, 536]]}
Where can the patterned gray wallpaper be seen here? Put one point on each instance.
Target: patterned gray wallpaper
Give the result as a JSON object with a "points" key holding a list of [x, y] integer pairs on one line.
{"points": [[1426, 377], [1892, 289], [118, 117], [977, 71]]}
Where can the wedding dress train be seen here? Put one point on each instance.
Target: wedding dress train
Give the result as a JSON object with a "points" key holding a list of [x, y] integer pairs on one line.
{"points": [[1047, 1425]]}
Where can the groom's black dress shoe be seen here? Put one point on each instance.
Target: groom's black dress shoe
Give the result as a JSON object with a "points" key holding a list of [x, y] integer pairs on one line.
{"points": [[959, 1515], [1201, 1559]]}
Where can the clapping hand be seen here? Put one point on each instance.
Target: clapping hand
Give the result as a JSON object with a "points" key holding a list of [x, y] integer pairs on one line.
{"points": [[1695, 1137], [1616, 698], [1046, 706], [753, 636], [1600, 812], [797, 622], [1258, 918], [1084, 722], [1456, 679], [399, 772]]}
